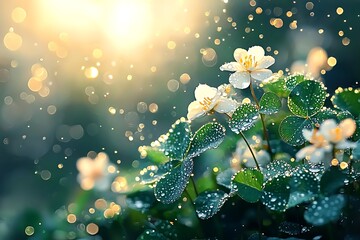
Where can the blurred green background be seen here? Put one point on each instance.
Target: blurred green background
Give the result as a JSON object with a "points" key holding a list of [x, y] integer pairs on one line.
{"points": [[86, 75]]}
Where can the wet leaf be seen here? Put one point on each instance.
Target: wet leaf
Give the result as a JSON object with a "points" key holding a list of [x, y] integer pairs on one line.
{"points": [[325, 210], [151, 234], [248, 184], [141, 201], [277, 167], [344, 115], [293, 80], [347, 99], [356, 151], [324, 114], [153, 173], [176, 142], [304, 186], [243, 118], [154, 155], [292, 228], [307, 98], [161, 230], [208, 203], [276, 193], [269, 103], [277, 86], [332, 180], [208, 136], [224, 178], [291, 127], [171, 186]]}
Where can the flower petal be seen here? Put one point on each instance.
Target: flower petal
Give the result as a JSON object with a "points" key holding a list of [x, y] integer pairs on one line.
{"points": [[203, 90], [307, 134], [326, 128], [345, 144], [257, 51], [265, 62], [261, 74], [306, 151], [195, 110], [225, 105], [232, 66], [317, 156], [240, 53], [348, 127], [240, 80]]}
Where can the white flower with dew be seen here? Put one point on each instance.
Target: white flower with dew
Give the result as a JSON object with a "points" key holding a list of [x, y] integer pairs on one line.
{"points": [[251, 64], [95, 173], [337, 134], [210, 99], [315, 152]]}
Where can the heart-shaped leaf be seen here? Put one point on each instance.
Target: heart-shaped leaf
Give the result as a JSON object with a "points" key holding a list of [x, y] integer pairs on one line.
{"points": [[323, 115], [325, 210], [248, 184], [153, 154], [276, 193], [332, 180], [304, 186], [269, 103], [307, 98], [243, 118], [176, 142], [172, 185], [347, 99], [293, 80], [153, 173], [208, 136], [277, 86], [278, 167], [291, 127], [208, 203]]}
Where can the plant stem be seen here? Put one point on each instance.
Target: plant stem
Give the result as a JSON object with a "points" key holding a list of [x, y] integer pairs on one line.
{"points": [[189, 196], [194, 186], [265, 133], [252, 153]]}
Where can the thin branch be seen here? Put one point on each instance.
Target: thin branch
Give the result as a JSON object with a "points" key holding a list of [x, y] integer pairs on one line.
{"points": [[266, 135], [252, 153]]}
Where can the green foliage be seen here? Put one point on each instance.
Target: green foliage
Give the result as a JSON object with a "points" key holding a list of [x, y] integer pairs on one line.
{"points": [[277, 86], [243, 118], [248, 184], [276, 193], [170, 187], [177, 140], [208, 136], [325, 210], [332, 180], [208, 203], [269, 103], [307, 98], [304, 186], [225, 178], [291, 129], [347, 100]]}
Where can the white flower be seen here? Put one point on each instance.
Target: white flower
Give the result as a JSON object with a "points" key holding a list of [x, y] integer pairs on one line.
{"points": [[329, 135], [249, 64], [95, 173], [319, 146], [337, 134], [210, 99]]}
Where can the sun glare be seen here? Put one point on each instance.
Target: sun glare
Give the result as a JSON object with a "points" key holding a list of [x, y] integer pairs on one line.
{"points": [[124, 23]]}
